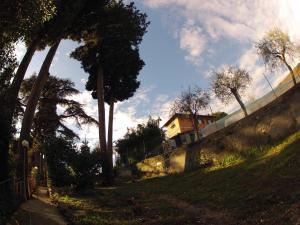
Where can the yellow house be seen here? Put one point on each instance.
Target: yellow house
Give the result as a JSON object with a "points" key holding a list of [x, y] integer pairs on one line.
{"points": [[180, 127]]}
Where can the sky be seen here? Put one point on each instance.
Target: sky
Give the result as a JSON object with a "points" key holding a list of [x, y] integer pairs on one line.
{"points": [[185, 42]]}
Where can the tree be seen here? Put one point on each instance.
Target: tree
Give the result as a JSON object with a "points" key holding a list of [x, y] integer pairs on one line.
{"points": [[276, 49], [8, 64], [219, 115], [59, 27], [191, 102], [60, 153], [56, 92], [231, 83], [17, 21], [48, 122], [120, 80], [144, 140], [86, 167], [108, 49]]}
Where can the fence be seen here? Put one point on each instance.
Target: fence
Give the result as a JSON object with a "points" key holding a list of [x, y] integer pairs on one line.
{"points": [[12, 194], [252, 107], [10, 197]]}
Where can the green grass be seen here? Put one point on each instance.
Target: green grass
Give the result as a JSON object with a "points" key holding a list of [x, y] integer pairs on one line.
{"points": [[257, 186]]}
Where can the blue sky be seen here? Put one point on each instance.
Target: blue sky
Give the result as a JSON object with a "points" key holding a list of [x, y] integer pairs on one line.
{"points": [[186, 40]]}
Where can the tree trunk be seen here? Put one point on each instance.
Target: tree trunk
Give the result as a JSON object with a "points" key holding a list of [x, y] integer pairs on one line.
{"points": [[9, 102], [238, 98], [102, 131], [291, 71], [110, 138], [196, 127], [30, 109], [20, 74], [4, 170], [101, 109]]}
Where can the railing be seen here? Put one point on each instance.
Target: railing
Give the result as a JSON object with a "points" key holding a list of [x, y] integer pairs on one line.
{"points": [[11, 190], [252, 107]]}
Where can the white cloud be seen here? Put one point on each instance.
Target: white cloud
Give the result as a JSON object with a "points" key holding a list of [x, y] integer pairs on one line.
{"points": [[243, 21], [193, 41], [126, 114]]}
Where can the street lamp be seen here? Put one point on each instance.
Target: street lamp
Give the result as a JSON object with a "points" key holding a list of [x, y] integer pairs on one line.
{"points": [[25, 146]]}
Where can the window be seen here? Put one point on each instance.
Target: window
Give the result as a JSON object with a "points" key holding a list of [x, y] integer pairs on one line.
{"points": [[173, 126]]}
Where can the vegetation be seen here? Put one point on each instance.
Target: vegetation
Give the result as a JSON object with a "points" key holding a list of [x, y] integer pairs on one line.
{"points": [[67, 166], [244, 190], [140, 142], [219, 115], [109, 34], [110, 56], [191, 102], [276, 49], [231, 83]]}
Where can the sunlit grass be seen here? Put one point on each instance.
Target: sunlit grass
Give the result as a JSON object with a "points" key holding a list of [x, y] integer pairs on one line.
{"points": [[254, 184]]}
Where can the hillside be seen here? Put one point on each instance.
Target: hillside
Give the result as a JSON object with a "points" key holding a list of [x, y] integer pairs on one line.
{"points": [[262, 187]]}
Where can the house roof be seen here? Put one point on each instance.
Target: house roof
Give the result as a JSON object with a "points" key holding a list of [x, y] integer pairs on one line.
{"points": [[184, 115]]}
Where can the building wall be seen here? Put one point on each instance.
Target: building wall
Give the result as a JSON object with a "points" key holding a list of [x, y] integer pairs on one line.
{"points": [[183, 125], [173, 128]]}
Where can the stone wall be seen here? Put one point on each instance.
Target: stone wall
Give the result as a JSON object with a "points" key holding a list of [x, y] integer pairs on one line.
{"points": [[266, 126]]}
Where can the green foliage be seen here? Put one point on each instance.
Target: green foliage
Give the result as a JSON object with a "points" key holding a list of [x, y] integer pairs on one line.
{"points": [[113, 44], [275, 48], [8, 64], [55, 93], [86, 167], [60, 154], [19, 20], [227, 83], [67, 166], [144, 140], [219, 115]]}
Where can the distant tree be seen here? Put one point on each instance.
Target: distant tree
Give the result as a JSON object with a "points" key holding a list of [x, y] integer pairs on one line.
{"points": [[86, 167], [219, 115], [276, 49], [231, 83], [60, 154], [144, 140], [191, 102]]}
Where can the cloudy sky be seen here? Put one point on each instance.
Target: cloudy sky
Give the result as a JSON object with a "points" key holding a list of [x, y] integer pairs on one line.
{"points": [[186, 41]]}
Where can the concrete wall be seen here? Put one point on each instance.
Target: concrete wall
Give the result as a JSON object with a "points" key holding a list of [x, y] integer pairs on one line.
{"points": [[266, 126]]}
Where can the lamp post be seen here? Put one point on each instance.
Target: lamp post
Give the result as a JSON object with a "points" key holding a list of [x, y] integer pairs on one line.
{"points": [[25, 147]]}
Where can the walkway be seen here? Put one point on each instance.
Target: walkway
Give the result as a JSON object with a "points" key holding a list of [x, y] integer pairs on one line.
{"points": [[40, 211]]}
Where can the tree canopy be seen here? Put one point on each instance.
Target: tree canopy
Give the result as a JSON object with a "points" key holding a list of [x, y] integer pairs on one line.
{"points": [[140, 142], [230, 83], [57, 92], [276, 49]]}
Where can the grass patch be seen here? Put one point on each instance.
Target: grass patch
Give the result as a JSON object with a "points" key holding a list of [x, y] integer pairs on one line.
{"points": [[258, 186]]}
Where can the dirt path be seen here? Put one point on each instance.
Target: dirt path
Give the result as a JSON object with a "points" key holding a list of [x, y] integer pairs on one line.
{"points": [[40, 211], [204, 215]]}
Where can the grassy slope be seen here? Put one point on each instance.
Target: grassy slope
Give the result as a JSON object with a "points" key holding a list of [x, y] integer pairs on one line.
{"points": [[257, 187]]}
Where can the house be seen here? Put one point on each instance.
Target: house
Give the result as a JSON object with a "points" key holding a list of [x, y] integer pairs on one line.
{"points": [[180, 130]]}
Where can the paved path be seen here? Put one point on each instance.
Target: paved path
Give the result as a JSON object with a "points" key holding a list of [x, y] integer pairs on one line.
{"points": [[41, 211]]}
